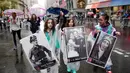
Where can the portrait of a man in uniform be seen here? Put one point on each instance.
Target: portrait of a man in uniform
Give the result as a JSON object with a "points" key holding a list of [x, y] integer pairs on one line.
{"points": [[39, 55]]}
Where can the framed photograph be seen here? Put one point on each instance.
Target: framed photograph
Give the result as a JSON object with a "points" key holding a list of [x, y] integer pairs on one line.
{"points": [[75, 44], [38, 51], [102, 49]]}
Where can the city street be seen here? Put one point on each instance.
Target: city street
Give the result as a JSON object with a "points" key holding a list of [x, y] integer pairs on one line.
{"points": [[120, 56]]}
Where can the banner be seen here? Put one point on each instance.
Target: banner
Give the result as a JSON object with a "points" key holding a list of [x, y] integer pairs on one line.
{"points": [[102, 49], [38, 51], [75, 44]]}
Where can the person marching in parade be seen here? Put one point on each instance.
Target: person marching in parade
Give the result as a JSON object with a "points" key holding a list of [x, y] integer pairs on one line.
{"points": [[71, 67], [51, 34], [15, 28], [34, 24], [105, 26]]}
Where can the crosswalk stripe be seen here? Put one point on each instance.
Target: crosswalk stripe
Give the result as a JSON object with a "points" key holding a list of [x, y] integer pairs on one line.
{"points": [[118, 52]]}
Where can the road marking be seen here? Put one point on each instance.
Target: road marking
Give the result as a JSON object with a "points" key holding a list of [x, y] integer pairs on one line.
{"points": [[122, 52], [118, 52], [128, 53], [126, 56]]}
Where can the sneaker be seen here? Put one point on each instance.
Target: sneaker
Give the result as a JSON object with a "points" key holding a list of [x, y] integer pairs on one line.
{"points": [[109, 71], [68, 70], [73, 71]]}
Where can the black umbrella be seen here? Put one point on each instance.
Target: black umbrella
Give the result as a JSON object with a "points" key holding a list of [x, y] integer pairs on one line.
{"points": [[56, 10]]}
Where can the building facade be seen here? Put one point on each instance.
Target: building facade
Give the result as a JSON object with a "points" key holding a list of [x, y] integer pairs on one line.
{"points": [[78, 5]]}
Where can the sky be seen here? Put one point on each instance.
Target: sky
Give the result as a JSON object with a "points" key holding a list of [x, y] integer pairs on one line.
{"points": [[42, 3]]}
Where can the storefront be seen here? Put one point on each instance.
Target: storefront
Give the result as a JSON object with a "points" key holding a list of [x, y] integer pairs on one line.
{"points": [[114, 5]]}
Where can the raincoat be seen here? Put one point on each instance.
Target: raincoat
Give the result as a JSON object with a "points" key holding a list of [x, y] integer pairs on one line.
{"points": [[54, 43], [108, 29], [70, 66]]}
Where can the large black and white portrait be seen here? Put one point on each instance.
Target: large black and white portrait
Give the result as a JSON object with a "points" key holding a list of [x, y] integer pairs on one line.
{"points": [[38, 51], [75, 44], [102, 49]]}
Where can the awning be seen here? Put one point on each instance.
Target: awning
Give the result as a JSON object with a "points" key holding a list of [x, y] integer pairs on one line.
{"points": [[113, 3], [104, 4], [119, 2], [108, 4], [95, 5]]}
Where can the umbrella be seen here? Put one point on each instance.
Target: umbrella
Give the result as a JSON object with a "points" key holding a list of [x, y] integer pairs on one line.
{"points": [[56, 10], [38, 10], [10, 11]]}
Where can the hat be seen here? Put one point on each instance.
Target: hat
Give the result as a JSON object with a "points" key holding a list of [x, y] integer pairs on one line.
{"points": [[33, 38]]}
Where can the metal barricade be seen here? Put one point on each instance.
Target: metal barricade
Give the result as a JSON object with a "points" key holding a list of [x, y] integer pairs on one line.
{"points": [[91, 22], [125, 22], [86, 21]]}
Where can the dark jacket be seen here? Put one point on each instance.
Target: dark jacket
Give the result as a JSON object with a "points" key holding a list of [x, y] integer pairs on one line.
{"points": [[34, 26]]}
